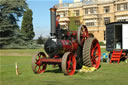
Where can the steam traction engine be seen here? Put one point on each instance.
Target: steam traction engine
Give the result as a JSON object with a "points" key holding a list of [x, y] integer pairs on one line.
{"points": [[67, 49]]}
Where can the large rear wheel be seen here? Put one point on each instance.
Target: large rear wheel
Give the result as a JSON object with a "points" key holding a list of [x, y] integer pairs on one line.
{"points": [[91, 53]]}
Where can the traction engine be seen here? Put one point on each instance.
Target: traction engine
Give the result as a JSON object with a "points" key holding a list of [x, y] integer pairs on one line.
{"points": [[67, 49]]}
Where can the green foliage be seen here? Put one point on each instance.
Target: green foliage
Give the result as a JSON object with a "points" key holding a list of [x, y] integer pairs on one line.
{"points": [[41, 40], [22, 45], [102, 43], [10, 11], [7, 34], [27, 26], [72, 25]]}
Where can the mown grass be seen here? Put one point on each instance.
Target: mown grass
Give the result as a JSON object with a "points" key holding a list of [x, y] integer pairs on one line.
{"points": [[107, 74], [19, 52], [25, 52]]}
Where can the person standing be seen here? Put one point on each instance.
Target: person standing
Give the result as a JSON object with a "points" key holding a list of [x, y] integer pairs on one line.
{"points": [[57, 21], [58, 30]]}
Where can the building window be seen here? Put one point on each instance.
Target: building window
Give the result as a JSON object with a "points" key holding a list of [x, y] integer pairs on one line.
{"points": [[66, 13], [62, 14], [90, 10], [77, 12], [94, 10], [107, 20], [122, 18], [125, 6], [90, 24], [118, 7], [86, 11], [77, 22], [106, 9], [122, 7]]}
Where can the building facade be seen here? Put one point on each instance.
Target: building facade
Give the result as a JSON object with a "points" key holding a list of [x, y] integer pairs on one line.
{"points": [[94, 14]]}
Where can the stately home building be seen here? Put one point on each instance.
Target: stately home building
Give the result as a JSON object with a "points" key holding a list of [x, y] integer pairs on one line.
{"points": [[94, 14]]}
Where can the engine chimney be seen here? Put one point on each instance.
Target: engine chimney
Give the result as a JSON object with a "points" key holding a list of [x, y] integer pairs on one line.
{"points": [[53, 21]]}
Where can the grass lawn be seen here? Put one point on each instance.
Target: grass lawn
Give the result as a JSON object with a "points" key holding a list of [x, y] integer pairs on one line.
{"points": [[107, 74], [19, 52]]}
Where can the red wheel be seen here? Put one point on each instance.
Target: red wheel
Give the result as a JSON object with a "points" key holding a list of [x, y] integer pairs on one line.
{"points": [[82, 34], [68, 63], [91, 53], [95, 54], [37, 65]]}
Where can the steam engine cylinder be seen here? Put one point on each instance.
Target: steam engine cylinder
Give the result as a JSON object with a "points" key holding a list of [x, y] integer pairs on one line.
{"points": [[53, 46]]}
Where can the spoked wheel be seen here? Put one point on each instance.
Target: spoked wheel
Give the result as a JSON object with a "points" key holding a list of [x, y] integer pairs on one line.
{"points": [[82, 34], [91, 53], [37, 65], [68, 63]]}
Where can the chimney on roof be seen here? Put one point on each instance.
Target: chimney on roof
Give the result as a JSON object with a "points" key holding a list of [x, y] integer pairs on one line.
{"points": [[75, 1]]}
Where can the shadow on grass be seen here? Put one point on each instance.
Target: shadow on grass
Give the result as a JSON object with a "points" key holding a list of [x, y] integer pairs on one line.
{"points": [[99, 67], [60, 71], [54, 71]]}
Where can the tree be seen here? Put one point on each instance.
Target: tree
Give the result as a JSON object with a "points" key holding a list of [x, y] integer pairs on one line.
{"points": [[41, 40], [27, 26], [10, 11], [72, 25]]}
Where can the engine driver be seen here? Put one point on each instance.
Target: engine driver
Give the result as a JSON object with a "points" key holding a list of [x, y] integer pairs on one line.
{"points": [[58, 30]]}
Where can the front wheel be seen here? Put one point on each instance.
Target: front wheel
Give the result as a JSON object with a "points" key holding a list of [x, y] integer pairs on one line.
{"points": [[68, 63], [37, 65]]}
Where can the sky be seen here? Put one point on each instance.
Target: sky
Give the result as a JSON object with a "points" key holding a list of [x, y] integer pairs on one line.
{"points": [[41, 15]]}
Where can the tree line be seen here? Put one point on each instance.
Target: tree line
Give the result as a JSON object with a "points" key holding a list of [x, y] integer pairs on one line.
{"points": [[11, 36]]}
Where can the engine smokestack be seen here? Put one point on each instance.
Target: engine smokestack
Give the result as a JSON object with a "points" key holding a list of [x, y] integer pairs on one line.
{"points": [[53, 21]]}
